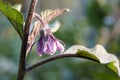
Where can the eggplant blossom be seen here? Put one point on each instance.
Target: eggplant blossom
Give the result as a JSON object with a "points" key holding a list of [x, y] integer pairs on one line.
{"points": [[47, 43]]}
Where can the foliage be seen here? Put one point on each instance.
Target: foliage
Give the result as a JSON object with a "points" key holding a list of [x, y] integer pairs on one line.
{"points": [[97, 54], [14, 16], [65, 66]]}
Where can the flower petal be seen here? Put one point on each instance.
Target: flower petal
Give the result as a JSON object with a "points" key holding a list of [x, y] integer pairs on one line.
{"points": [[51, 46], [60, 47], [41, 46]]}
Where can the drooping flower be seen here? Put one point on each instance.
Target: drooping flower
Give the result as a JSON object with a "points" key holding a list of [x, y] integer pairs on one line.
{"points": [[48, 44]]}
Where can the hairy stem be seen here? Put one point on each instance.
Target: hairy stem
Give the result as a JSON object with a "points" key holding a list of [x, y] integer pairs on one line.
{"points": [[22, 61], [59, 56], [40, 19]]}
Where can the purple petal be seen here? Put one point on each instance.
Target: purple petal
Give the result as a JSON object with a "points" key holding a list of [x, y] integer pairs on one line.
{"points": [[40, 46], [51, 46], [60, 47]]}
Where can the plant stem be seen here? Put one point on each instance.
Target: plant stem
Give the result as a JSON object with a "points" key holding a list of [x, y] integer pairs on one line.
{"points": [[22, 60], [40, 19], [59, 56]]}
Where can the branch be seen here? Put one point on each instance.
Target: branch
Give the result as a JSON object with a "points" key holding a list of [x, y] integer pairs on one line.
{"points": [[22, 60], [59, 56]]}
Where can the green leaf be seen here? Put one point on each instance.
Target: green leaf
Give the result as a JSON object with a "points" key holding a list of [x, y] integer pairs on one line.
{"points": [[13, 15], [98, 54]]}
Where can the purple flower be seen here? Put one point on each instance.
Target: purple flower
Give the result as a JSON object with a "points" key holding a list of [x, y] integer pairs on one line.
{"points": [[48, 43]]}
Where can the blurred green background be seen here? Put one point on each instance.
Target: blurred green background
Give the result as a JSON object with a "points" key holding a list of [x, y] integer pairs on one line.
{"points": [[89, 22]]}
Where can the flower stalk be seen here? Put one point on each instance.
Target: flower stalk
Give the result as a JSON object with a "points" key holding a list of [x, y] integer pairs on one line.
{"points": [[22, 60], [55, 57]]}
